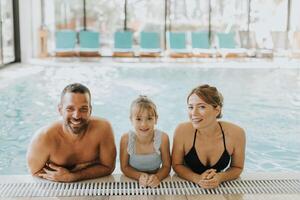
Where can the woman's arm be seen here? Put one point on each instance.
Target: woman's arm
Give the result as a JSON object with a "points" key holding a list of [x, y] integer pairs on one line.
{"points": [[237, 157], [178, 154], [164, 171], [124, 160], [237, 162]]}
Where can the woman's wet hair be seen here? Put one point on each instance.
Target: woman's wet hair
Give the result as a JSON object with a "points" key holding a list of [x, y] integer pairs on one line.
{"points": [[210, 95], [143, 103]]}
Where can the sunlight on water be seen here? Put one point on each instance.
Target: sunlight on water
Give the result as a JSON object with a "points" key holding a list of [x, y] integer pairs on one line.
{"points": [[265, 102]]}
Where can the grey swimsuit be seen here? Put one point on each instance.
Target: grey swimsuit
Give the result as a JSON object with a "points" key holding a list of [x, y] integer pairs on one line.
{"points": [[145, 162]]}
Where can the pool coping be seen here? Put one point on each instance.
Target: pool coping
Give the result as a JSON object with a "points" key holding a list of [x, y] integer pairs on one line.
{"points": [[123, 178]]}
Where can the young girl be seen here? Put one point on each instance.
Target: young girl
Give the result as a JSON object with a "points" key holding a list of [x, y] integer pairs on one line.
{"points": [[144, 152]]}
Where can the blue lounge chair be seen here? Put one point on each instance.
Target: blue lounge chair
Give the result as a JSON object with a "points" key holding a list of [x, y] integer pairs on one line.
{"points": [[65, 42], [201, 45], [89, 44], [177, 45], [123, 44], [150, 44], [228, 47]]}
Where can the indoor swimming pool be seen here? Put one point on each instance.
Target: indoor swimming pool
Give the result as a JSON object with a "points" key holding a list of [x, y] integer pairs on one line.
{"points": [[265, 101]]}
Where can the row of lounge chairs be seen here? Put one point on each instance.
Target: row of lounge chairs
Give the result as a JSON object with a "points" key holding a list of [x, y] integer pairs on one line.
{"points": [[87, 43]]}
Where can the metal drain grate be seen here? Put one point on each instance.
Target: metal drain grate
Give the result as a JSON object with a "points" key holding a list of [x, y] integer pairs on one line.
{"points": [[49, 189]]}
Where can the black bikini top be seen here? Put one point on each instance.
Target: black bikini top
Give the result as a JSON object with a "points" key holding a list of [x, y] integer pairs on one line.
{"points": [[192, 160]]}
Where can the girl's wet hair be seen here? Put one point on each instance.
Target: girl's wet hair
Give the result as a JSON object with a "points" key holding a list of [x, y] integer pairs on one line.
{"points": [[143, 103], [210, 95]]}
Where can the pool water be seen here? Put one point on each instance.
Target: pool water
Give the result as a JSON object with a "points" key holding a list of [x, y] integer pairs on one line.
{"points": [[264, 101]]}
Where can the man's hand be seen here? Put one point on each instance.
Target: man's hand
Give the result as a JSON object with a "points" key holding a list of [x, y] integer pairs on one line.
{"points": [[57, 173], [153, 181]]}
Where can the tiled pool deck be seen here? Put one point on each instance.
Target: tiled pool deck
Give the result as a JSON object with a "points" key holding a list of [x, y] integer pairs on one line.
{"points": [[120, 178]]}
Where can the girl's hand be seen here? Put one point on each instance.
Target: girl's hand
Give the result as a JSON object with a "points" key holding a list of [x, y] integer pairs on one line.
{"points": [[143, 179], [153, 181]]}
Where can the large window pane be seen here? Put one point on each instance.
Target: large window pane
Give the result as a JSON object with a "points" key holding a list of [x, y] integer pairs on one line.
{"points": [[295, 15], [68, 14], [266, 17], [106, 17], [229, 15], [189, 15], [7, 32], [145, 15]]}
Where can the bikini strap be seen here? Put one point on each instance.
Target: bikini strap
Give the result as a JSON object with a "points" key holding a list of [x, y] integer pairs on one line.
{"points": [[223, 136], [195, 137]]}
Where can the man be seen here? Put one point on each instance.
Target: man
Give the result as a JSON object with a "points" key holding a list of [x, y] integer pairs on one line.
{"points": [[76, 148]]}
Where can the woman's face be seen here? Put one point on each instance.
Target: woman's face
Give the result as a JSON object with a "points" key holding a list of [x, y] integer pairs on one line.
{"points": [[201, 113]]}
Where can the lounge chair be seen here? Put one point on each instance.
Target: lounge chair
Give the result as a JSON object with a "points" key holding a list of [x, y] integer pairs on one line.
{"points": [[264, 45], [89, 44], [201, 45], [294, 44], [247, 41], [65, 42], [150, 44], [227, 46], [280, 43], [177, 45], [123, 44]]}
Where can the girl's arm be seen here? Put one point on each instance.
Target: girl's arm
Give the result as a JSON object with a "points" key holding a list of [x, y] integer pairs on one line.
{"points": [[124, 160], [164, 171]]}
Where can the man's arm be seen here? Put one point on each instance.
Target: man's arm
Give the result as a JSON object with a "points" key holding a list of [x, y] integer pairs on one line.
{"points": [[38, 153], [107, 157]]}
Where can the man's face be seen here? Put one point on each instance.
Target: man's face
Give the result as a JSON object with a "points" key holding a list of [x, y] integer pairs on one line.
{"points": [[76, 110]]}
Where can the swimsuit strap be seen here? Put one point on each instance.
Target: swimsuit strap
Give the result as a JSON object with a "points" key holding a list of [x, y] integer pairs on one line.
{"points": [[195, 137], [223, 136]]}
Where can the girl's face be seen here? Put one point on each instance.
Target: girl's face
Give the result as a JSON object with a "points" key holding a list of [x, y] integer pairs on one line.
{"points": [[143, 121], [201, 113]]}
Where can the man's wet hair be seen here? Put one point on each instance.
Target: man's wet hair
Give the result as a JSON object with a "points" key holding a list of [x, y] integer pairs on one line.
{"points": [[75, 88]]}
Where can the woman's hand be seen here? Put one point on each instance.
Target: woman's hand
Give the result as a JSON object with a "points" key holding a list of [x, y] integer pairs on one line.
{"points": [[210, 180]]}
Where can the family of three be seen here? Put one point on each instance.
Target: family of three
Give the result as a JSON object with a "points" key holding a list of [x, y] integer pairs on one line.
{"points": [[205, 150]]}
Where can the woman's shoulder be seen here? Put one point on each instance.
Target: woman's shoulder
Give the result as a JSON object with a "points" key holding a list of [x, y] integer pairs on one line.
{"points": [[184, 129], [232, 129], [184, 125]]}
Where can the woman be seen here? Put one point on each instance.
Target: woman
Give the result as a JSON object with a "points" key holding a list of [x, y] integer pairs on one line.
{"points": [[207, 151]]}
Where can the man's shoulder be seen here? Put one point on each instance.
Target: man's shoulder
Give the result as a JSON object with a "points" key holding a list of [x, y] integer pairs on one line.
{"points": [[99, 120], [47, 133], [100, 125]]}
